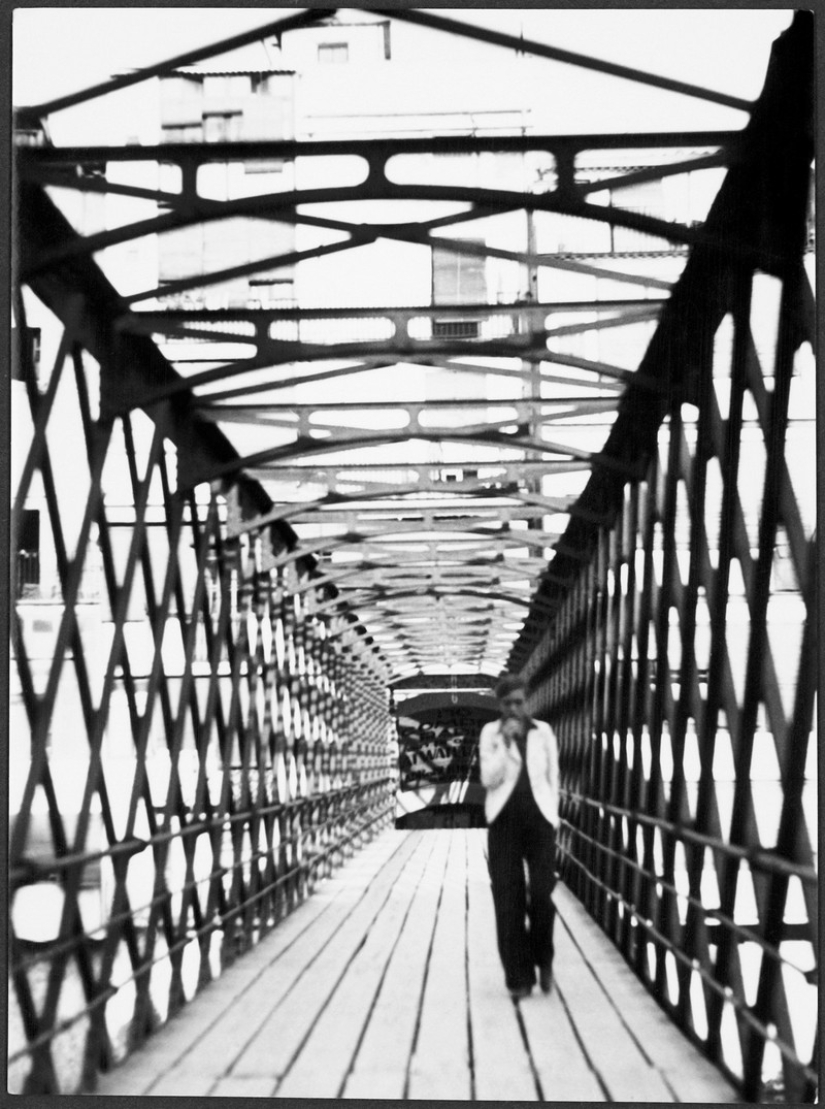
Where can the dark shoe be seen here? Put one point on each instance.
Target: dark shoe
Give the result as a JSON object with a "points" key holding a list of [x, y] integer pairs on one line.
{"points": [[521, 992], [546, 979]]}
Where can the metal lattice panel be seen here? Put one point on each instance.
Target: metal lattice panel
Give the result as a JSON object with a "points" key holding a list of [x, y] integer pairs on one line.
{"points": [[683, 680], [203, 745]]}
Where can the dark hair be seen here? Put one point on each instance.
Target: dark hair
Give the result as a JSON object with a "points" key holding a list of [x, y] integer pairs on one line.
{"points": [[507, 684]]}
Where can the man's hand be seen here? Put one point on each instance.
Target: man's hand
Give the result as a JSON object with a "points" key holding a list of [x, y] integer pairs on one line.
{"points": [[511, 730]]}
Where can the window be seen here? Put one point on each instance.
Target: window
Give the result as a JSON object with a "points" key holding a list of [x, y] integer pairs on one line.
{"points": [[264, 165], [646, 199], [458, 279], [455, 329], [180, 253], [181, 107], [28, 551], [29, 136], [274, 292], [811, 220], [33, 352], [192, 132], [333, 52], [222, 126], [456, 474], [220, 86]]}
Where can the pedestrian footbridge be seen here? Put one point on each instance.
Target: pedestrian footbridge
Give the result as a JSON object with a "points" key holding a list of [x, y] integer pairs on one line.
{"points": [[335, 394]]}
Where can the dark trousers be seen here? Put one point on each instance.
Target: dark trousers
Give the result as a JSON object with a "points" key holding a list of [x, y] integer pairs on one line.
{"points": [[524, 913]]}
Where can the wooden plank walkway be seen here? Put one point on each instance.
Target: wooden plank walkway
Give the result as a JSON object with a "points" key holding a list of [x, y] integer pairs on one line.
{"points": [[386, 983]]}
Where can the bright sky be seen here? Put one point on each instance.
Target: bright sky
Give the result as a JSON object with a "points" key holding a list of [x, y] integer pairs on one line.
{"points": [[721, 48]]}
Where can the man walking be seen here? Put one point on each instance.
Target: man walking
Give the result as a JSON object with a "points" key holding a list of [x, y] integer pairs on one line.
{"points": [[520, 771]]}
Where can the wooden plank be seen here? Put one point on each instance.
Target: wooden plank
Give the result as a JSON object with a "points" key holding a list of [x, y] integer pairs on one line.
{"points": [[174, 1084], [380, 1068], [184, 1045], [375, 1085], [243, 1087], [440, 1065], [563, 1069], [501, 1064], [326, 1057], [613, 1053], [272, 1049], [693, 1077]]}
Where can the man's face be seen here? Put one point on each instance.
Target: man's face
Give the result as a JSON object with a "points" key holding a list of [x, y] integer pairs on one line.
{"points": [[514, 706]]}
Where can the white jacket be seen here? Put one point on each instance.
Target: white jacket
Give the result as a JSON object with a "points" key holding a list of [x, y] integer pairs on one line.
{"points": [[501, 766]]}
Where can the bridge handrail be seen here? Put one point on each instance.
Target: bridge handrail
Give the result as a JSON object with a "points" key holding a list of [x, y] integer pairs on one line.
{"points": [[757, 858], [766, 1031]]}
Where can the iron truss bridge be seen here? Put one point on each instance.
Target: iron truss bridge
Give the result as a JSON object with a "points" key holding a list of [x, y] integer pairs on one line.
{"points": [[311, 417]]}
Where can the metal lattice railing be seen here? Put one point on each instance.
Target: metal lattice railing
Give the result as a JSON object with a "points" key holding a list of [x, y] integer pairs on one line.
{"points": [[195, 736], [681, 669]]}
